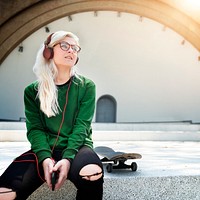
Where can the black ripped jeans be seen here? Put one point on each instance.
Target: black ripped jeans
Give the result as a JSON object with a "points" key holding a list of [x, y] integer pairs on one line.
{"points": [[24, 175]]}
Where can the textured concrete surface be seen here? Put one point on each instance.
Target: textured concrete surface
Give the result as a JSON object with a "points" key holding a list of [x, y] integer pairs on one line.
{"points": [[167, 171], [132, 188]]}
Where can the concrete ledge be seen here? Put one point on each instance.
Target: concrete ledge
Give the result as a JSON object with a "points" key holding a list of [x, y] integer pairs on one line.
{"points": [[131, 188], [146, 135], [20, 135], [13, 136], [16, 131], [170, 126], [68, 191]]}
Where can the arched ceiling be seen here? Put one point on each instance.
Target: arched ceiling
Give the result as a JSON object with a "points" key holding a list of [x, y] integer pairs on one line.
{"points": [[24, 19]]}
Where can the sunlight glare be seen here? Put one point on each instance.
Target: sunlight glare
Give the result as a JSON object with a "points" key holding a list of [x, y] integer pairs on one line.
{"points": [[194, 3]]}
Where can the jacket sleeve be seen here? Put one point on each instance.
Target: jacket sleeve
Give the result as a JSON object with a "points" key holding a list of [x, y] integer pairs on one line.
{"points": [[81, 132], [36, 133]]}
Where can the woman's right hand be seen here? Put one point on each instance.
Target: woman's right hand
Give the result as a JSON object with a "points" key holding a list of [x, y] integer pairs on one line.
{"points": [[48, 165]]}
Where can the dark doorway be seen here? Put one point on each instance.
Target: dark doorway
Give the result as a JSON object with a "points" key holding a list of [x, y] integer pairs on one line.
{"points": [[106, 109]]}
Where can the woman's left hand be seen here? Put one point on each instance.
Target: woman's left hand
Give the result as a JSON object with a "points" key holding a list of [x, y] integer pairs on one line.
{"points": [[62, 167]]}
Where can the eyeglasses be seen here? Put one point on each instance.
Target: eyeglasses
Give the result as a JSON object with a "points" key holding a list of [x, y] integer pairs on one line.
{"points": [[65, 46]]}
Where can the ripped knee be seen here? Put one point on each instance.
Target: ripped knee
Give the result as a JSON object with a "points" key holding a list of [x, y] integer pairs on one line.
{"points": [[6, 193], [91, 172]]}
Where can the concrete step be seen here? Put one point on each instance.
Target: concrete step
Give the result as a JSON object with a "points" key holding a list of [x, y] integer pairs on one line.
{"points": [[20, 135], [167, 171], [170, 126], [177, 131], [132, 188]]}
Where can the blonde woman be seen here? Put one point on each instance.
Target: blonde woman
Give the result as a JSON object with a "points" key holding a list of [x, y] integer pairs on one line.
{"points": [[59, 108]]}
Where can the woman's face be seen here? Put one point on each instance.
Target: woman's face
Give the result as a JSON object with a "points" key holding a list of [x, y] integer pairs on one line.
{"points": [[66, 52]]}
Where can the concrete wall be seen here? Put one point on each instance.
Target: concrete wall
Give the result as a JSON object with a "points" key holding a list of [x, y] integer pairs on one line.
{"points": [[151, 74]]}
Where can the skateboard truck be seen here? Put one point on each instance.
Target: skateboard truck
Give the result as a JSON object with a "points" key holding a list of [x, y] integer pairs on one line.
{"points": [[121, 165]]}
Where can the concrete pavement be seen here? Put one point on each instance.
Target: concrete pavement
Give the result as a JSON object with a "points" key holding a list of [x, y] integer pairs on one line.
{"points": [[165, 166], [158, 158]]}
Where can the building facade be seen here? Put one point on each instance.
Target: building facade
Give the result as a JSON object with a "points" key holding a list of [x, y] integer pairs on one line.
{"points": [[145, 70]]}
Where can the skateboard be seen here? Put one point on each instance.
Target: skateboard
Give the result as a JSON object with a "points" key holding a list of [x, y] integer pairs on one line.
{"points": [[116, 159]]}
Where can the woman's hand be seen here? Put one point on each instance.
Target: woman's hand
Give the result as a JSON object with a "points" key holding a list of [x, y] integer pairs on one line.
{"points": [[48, 165], [62, 167]]}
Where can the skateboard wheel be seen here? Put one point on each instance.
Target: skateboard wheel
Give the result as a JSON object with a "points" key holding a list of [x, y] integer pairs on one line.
{"points": [[134, 166], [109, 168]]}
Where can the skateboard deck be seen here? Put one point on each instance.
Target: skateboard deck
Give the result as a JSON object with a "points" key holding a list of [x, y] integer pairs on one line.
{"points": [[116, 159]]}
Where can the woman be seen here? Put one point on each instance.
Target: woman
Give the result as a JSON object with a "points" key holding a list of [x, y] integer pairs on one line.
{"points": [[59, 108]]}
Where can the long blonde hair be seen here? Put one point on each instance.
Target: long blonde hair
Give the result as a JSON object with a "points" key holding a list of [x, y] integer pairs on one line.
{"points": [[46, 72]]}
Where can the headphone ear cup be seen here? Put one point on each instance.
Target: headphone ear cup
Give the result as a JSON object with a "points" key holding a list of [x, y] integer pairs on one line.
{"points": [[76, 60], [48, 53]]}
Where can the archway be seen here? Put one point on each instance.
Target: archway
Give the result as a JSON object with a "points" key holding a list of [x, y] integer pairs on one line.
{"points": [[22, 24], [106, 109]]}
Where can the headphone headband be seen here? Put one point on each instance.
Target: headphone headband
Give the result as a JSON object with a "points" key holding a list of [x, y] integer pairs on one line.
{"points": [[48, 40]]}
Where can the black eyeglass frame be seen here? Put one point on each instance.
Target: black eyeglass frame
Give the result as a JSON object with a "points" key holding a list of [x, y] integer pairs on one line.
{"points": [[74, 47]]}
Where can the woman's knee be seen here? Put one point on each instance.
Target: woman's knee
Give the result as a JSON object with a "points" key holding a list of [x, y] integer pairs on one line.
{"points": [[91, 172], [7, 194]]}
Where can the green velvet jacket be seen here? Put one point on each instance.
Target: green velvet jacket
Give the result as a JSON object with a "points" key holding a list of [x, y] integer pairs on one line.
{"points": [[76, 130]]}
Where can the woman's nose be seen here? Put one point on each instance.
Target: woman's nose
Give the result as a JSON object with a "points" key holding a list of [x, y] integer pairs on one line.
{"points": [[70, 49]]}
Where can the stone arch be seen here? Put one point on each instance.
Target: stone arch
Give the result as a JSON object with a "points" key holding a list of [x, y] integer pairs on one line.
{"points": [[22, 24]]}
